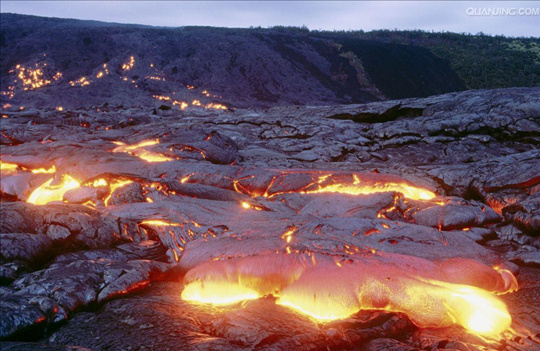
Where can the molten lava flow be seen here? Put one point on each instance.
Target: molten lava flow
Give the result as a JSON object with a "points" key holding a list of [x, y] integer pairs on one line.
{"points": [[476, 310], [8, 168], [160, 222], [326, 289], [112, 185], [44, 170], [230, 281], [357, 188], [355, 184], [217, 293], [326, 295], [140, 151], [50, 191]]}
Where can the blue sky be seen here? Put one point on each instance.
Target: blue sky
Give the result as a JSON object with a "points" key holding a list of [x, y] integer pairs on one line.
{"points": [[367, 15]]}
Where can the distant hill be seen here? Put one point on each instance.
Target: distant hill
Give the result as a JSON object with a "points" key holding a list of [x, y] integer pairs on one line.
{"points": [[64, 62], [482, 61]]}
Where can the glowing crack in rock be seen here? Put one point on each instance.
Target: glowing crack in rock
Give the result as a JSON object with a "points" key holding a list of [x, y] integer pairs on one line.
{"points": [[359, 188], [52, 169], [160, 222], [355, 184], [326, 291], [113, 185], [140, 151], [12, 168]]}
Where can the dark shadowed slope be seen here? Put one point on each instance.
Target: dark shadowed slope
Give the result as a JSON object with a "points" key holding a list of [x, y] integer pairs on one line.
{"points": [[236, 67]]}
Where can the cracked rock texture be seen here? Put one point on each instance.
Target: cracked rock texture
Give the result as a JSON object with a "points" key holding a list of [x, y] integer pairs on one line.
{"points": [[102, 267]]}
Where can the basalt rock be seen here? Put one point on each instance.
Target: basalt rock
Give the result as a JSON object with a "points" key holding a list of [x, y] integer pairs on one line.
{"points": [[443, 187]]}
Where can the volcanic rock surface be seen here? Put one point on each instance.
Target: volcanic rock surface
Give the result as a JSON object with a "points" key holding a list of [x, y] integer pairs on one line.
{"points": [[429, 192]]}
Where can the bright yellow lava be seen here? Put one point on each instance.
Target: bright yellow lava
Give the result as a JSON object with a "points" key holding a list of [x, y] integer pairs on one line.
{"points": [[408, 191], [217, 293], [160, 222], [478, 311], [320, 314], [112, 187], [428, 304], [359, 186], [326, 292], [8, 168], [49, 192], [139, 151], [44, 170]]}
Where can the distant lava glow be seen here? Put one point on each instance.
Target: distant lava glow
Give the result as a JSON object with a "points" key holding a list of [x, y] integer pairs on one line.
{"points": [[129, 65], [326, 291], [33, 78]]}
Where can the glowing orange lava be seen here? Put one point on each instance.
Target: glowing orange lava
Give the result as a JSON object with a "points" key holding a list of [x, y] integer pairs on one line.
{"points": [[129, 65], [217, 293], [44, 170], [8, 168], [113, 185], [355, 184], [49, 191], [328, 290], [160, 222], [358, 188], [140, 151]]}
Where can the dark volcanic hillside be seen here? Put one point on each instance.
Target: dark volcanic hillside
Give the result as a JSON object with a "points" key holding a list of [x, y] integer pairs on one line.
{"points": [[71, 63]]}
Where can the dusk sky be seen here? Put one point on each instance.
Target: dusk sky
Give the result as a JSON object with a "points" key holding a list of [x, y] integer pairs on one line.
{"points": [[367, 15]]}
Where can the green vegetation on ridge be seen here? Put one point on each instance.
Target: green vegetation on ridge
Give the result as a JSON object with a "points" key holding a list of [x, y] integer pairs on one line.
{"points": [[482, 61]]}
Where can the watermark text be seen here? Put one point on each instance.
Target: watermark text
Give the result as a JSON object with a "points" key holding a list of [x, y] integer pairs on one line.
{"points": [[503, 11]]}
